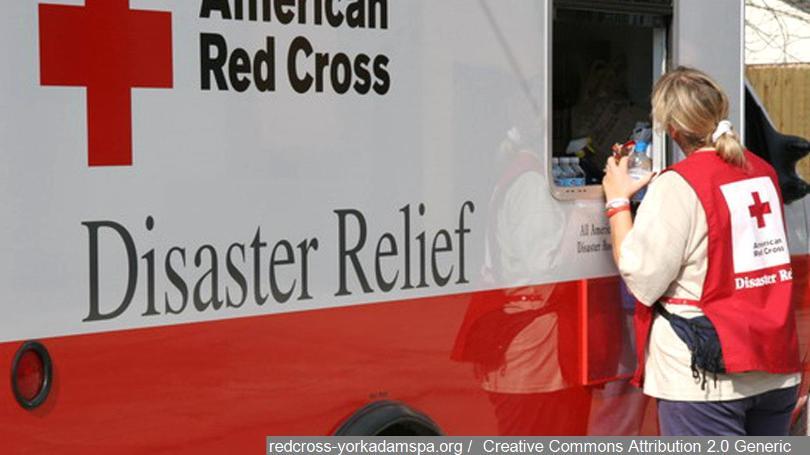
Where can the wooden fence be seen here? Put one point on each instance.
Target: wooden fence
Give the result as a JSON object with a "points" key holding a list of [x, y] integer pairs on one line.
{"points": [[785, 91]]}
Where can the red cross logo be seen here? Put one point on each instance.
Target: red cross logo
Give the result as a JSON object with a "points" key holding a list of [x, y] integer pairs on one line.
{"points": [[759, 210], [109, 49]]}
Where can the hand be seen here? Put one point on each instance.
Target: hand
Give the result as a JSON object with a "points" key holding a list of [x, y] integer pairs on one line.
{"points": [[617, 182]]}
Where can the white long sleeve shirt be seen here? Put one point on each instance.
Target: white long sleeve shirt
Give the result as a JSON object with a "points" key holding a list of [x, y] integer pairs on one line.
{"points": [[666, 254]]}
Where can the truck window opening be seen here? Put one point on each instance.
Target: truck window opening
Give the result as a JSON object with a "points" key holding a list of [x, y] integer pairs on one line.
{"points": [[602, 70]]}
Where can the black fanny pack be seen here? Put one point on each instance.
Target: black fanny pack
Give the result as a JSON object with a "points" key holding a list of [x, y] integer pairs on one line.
{"points": [[701, 338]]}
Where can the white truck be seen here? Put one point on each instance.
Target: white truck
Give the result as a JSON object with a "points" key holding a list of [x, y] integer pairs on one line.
{"points": [[223, 220]]}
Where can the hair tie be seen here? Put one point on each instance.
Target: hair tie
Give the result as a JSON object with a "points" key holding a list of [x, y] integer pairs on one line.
{"points": [[722, 128]]}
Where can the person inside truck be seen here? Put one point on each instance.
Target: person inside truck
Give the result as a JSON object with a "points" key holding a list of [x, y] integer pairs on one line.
{"points": [[707, 259]]}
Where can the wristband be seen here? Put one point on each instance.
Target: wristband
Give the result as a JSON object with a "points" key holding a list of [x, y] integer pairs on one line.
{"points": [[618, 202], [615, 210]]}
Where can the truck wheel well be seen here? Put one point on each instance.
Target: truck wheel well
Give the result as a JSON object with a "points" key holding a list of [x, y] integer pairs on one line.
{"points": [[388, 418]]}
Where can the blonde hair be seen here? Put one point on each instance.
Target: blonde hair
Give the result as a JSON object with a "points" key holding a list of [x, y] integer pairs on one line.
{"points": [[690, 102]]}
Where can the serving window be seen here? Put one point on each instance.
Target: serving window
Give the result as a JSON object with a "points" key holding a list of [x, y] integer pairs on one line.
{"points": [[605, 57]]}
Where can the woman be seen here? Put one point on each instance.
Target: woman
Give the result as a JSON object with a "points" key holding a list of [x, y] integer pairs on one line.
{"points": [[708, 242]]}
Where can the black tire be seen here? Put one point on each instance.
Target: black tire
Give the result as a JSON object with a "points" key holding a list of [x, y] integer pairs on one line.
{"points": [[388, 418]]}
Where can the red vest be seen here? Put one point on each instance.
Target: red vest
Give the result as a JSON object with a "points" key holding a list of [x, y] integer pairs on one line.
{"points": [[747, 292]]}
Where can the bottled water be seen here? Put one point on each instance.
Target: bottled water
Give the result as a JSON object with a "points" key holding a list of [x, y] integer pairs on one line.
{"points": [[556, 171], [580, 176], [642, 132], [639, 165], [567, 174]]}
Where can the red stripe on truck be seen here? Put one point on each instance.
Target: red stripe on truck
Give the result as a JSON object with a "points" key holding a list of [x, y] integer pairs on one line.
{"points": [[225, 385]]}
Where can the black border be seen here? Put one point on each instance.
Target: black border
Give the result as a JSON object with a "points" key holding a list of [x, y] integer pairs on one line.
{"points": [[47, 365]]}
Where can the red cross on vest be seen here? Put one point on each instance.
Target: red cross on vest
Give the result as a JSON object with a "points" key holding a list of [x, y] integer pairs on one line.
{"points": [[759, 210], [109, 49]]}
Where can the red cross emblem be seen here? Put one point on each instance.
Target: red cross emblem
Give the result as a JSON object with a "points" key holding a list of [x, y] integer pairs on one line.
{"points": [[109, 49], [759, 210]]}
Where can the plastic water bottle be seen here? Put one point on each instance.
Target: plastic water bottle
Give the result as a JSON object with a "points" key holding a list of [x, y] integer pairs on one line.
{"points": [[556, 171], [639, 165], [580, 176], [642, 132], [567, 174]]}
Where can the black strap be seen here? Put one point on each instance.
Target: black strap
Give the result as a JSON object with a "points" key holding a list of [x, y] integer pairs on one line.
{"points": [[659, 307]]}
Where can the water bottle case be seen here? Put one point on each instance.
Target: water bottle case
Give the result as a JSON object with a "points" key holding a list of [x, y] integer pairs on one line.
{"points": [[572, 182]]}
